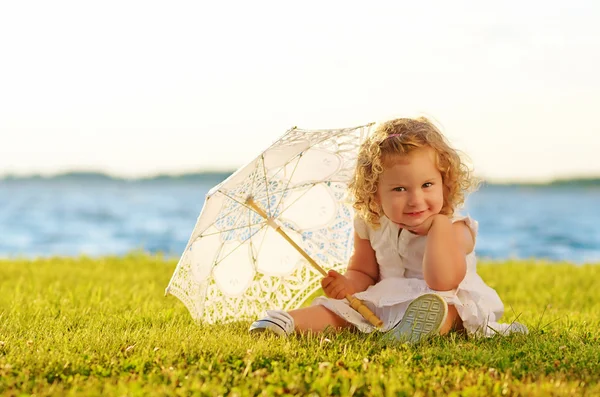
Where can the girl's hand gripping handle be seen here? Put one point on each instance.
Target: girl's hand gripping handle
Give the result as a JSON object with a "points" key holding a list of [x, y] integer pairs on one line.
{"points": [[337, 286]]}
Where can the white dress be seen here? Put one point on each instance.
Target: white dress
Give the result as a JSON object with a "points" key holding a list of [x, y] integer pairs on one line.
{"points": [[400, 256]]}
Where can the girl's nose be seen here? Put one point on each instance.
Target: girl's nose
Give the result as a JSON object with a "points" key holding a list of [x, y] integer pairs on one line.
{"points": [[414, 198]]}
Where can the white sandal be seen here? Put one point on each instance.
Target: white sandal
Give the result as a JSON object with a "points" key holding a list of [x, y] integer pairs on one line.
{"points": [[277, 321]]}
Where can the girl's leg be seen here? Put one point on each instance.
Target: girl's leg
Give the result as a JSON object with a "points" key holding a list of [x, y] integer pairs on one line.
{"points": [[309, 319], [316, 319], [453, 321]]}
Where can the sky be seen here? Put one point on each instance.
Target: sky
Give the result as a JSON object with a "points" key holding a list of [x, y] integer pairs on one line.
{"points": [[138, 88]]}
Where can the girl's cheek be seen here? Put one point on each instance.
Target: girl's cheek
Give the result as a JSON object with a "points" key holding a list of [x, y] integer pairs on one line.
{"points": [[398, 208]]}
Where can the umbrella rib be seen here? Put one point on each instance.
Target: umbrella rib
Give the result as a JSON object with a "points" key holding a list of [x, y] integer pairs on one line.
{"points": [[286, 188], [242, 243], [251, 245], [266, 185], [340, 132], [229, 230], [250, 209], [223, 216], [296, 187], [260, 248], [299, 197], [254, 174], [218, 253], [235, 228], [236, 200]]}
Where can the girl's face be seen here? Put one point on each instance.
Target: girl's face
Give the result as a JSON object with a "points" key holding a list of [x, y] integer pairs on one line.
{"points": [[410, 187]]}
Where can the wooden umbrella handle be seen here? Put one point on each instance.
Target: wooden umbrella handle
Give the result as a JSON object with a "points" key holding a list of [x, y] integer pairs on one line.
{"points": [[360, 307], [355, 303]]}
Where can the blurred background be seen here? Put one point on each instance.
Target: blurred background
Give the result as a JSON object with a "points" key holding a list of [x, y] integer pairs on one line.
{"points": [[116, 118]]}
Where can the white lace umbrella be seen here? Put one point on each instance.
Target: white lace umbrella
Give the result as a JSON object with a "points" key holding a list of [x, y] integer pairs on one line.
{"points": [[262, 231]]}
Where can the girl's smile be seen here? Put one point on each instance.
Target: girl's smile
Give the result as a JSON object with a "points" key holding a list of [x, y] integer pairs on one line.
{"points": [[416, 214]]}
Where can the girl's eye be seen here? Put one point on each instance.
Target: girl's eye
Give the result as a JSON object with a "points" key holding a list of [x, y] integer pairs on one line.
{"points": [[399, 189], [427, 184]]}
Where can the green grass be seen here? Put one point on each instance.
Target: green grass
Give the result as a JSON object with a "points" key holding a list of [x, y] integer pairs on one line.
{"points": [[81, 326]]}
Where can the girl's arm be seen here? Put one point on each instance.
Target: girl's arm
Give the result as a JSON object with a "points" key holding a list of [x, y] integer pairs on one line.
{"points": [[444, 262], [362, 272]]}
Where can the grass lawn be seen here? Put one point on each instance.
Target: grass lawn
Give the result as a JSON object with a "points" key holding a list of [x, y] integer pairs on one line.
{"points": [[81, 326]]}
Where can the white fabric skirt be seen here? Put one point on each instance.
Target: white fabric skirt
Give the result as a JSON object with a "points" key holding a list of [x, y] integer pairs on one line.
{"points": [[478, 305]]}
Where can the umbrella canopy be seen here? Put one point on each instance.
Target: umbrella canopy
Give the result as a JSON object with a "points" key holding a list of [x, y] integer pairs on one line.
{"points": [[236, 264]]}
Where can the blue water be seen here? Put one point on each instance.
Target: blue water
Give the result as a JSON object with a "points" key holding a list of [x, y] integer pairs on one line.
{"points": [[54, 217]]}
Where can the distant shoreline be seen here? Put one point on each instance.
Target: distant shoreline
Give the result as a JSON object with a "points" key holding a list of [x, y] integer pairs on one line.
{"points": [[101, 177], [218, 176]]}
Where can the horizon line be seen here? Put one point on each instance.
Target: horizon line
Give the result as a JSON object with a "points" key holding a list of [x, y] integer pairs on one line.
{"points": [[226, 172]]}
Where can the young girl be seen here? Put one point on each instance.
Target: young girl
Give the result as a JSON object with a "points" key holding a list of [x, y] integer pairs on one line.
{"points": [[413, 263]]}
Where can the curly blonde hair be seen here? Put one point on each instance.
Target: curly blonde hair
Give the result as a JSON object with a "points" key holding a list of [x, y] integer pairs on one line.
{"points": [[400, 137]]}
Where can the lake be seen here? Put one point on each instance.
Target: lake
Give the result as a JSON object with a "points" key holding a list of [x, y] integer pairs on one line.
{"points": [[99, 217]]}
